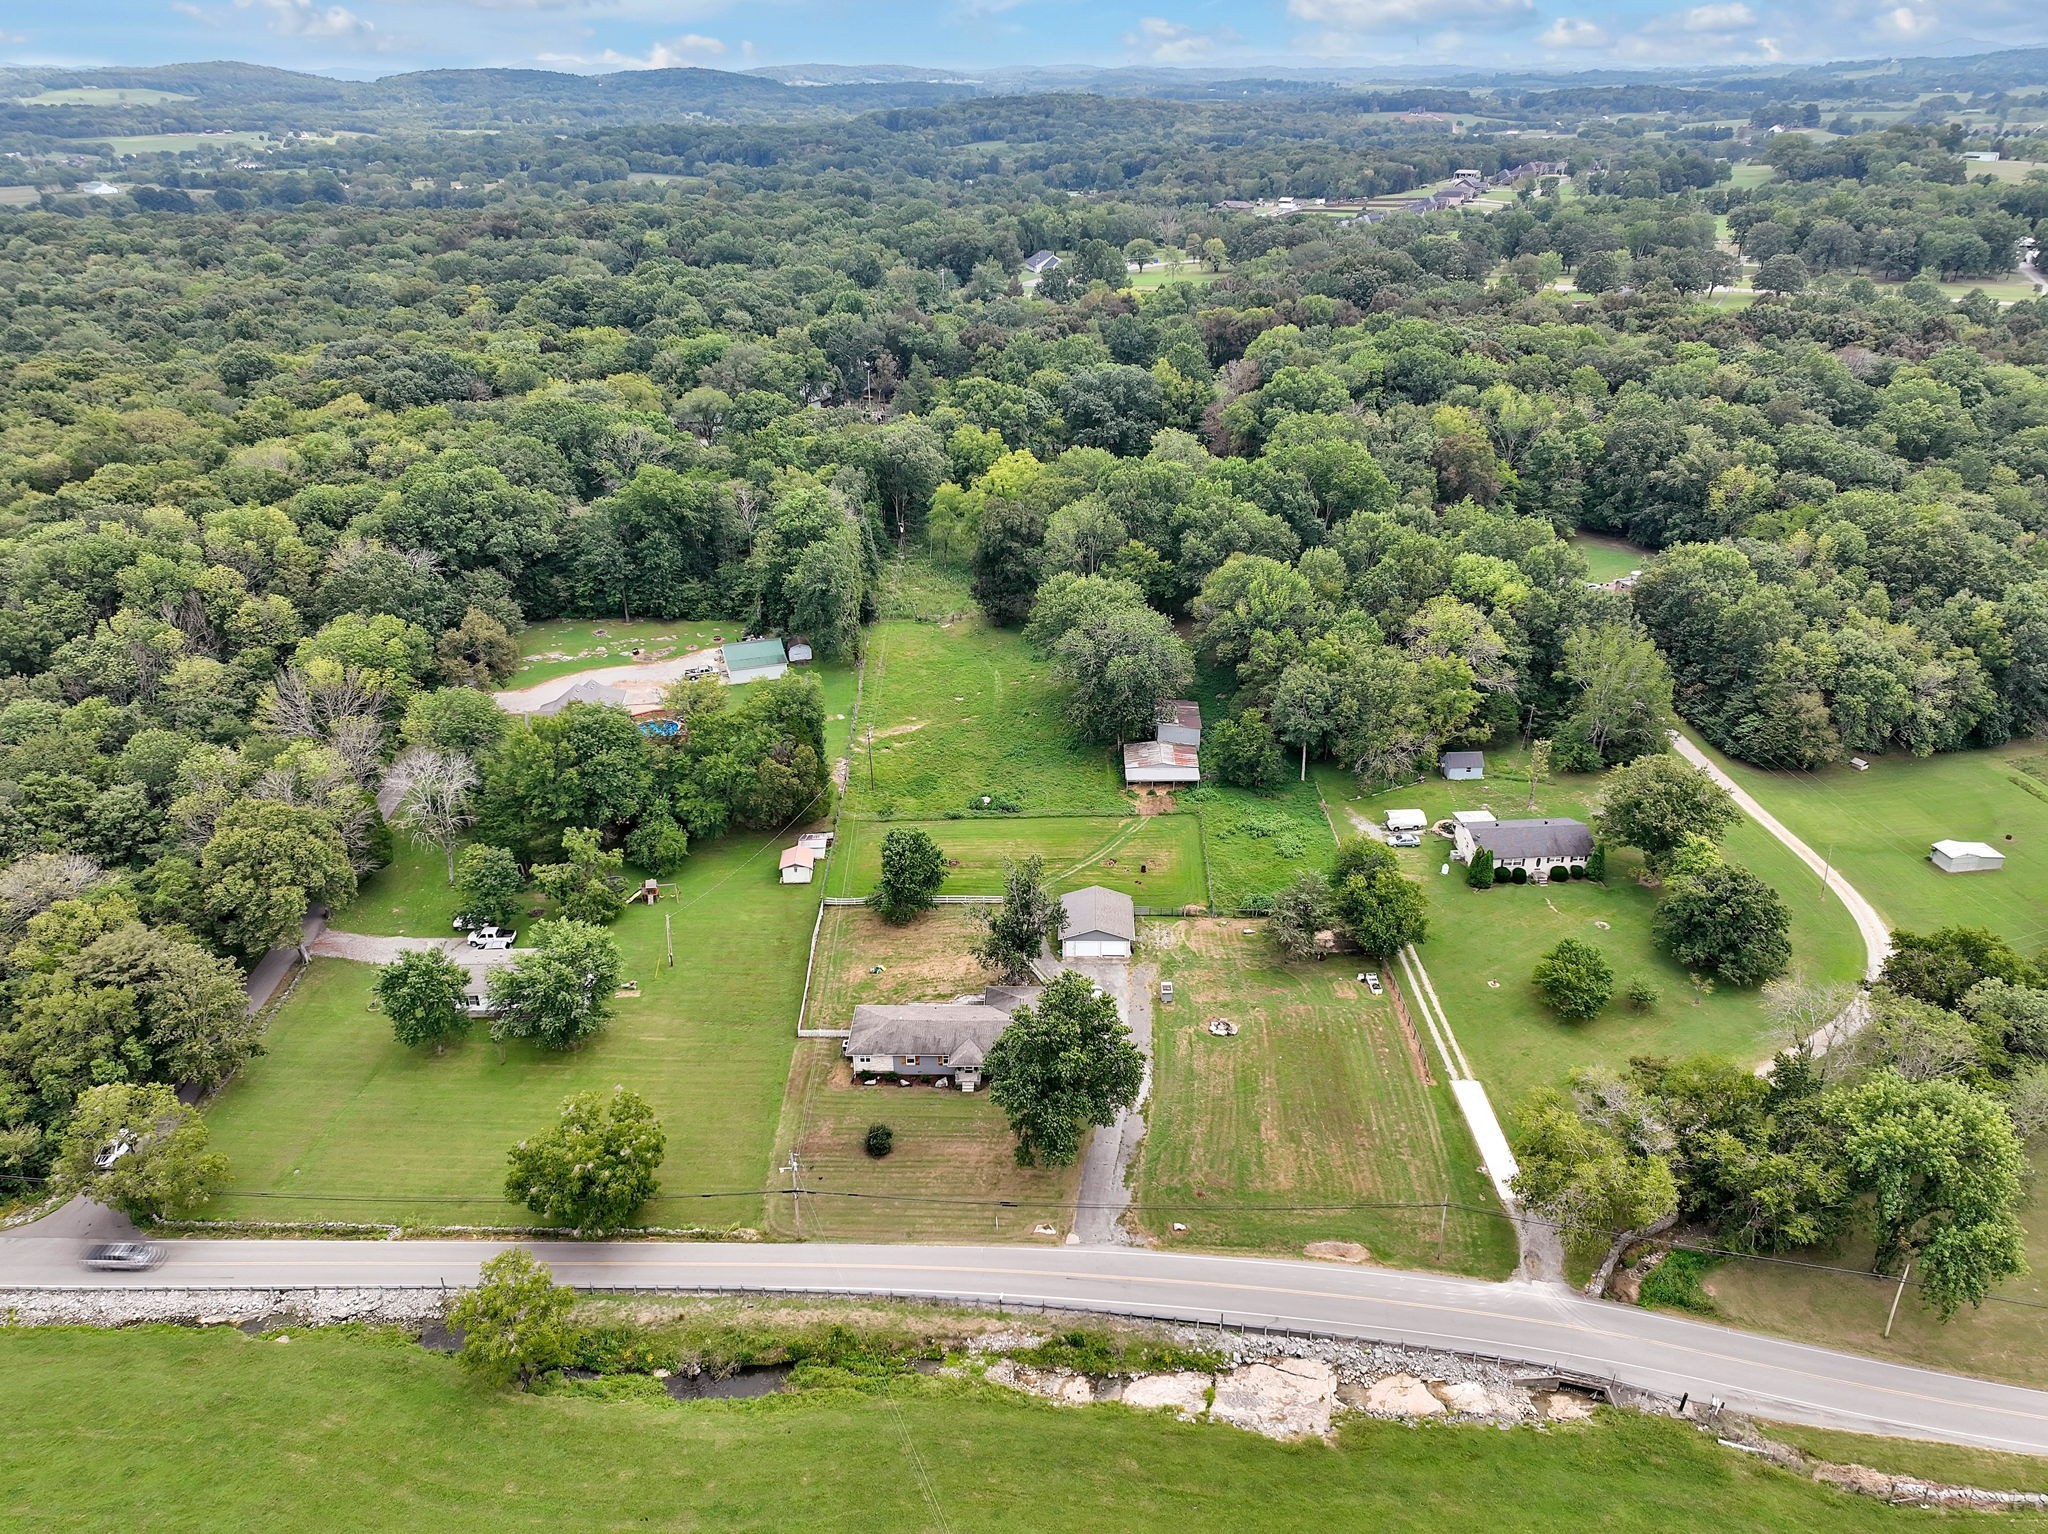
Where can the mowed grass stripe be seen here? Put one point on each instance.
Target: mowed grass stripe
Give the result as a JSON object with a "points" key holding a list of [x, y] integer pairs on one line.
{"points": [[1157, 860]]}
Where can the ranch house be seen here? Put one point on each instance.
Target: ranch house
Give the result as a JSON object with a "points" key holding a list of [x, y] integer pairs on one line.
{"points": [[1536, 845], [928, 1038]]}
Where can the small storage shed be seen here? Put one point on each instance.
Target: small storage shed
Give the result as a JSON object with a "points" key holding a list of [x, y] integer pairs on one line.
{"points": [[754, 660], [797, 865], [799, 650], [1966, 857], [1462, 765], [1407, 820]]}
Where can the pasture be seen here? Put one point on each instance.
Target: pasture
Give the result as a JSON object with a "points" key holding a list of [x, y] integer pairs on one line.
{"points": [[1155, 859], [338, 1122], [1273, 1138], [1876, 827]]}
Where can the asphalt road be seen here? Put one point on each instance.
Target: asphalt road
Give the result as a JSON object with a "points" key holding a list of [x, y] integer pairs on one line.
{"points": [[1542, 1324]]}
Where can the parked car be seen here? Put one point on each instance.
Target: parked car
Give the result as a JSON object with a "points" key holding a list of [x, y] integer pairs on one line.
{"points": [[1405, 839], [1372, 983], [492, 937], [124, 1256]]}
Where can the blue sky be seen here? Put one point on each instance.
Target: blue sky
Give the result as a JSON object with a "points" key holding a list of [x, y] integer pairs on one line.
{"points": [[375, 37]]}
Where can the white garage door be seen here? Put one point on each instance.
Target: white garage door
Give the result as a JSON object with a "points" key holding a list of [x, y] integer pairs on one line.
{"points": [[1096, 948]]}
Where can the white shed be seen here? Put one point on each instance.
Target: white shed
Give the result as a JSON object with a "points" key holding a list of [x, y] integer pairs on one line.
{"points": [[1407, 820], [1966, 857], [797, 864]]}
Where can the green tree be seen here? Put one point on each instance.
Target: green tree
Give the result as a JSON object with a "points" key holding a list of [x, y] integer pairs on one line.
{"points": [[458, 719], [1943, 966], [1241, 750], [515, 1322], [1119, 668], [264, 867], [422, 993], [135, 1147], [477, 652], [1299, 912], [594, 1167], [1007, 559], [558, 992], [1784, 273], [1381, 907], [1584, 1176], [1944, 1173], [589, 884], [1015, 932], [1656, 803], [1728, 922], [913, 873], [1061, 1066], [1479, 872], [487, 885], [1215, 252], [1574, 980]]}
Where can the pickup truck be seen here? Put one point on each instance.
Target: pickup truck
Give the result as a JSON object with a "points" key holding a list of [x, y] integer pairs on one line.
{"points": [[491, 937]]}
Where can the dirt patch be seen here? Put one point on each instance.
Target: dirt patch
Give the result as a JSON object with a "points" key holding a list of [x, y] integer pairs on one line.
{"points": [[1156, 801], [901, 729], [1337, 1251]]}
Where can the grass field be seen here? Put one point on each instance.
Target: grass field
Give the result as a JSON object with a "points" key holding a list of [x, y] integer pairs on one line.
{"points": [[1847, 1310], [19, 196], [1876, 827], [1315, 1101], [1169, 273], [1930, 1461], [1155, 859], [2004, 170], [409, 897], [1750, 174], [1497, 936], [1609, 558], [961, 710], [1257, 842], [337, 1121], [180, 143], [953, 1149], [240, 1430], [565, 646]]}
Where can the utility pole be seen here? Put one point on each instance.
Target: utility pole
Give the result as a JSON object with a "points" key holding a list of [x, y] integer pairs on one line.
{"points": [[1896, 1297], [668, 929], [796, 1195]]}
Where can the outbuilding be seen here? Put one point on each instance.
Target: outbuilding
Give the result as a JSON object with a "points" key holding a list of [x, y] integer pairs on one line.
{"points": [[1461, 766], [754, 660], [798, 864], [799, 650], [1097, 923], [1161, 761], [1407, 820], [1966, 857], [1179, 723]]}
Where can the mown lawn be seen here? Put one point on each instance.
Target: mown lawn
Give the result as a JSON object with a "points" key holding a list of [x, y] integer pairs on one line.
{"points": [[960, 711], [1316, 1101], [1876, 827], [565, 646], [408, 897], [1155, 859], [1483, 945], [246, 1433], [1930, 1461], [1608, 558], [336, 1121]]}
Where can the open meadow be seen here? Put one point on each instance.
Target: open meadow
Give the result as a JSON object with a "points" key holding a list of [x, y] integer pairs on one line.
{"points": [[1155, 859], [240, 1428], [1483, 945], [339, 1122], [1257, 1142]]}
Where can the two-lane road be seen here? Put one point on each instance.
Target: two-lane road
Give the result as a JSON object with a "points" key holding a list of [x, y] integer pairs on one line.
{"points": [[1542, 1324]]}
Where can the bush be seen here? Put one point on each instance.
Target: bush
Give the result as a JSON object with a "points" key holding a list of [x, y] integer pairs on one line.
{"points": [[879, 1140], [1560, 875], [1479, 875], [1642, 995], [1578, 870], [1676, 1283], [1596, 865], [1574, 980], [1518, 876]]}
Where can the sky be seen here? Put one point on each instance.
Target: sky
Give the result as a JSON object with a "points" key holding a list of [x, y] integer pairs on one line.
{"points": [[363, 38]]}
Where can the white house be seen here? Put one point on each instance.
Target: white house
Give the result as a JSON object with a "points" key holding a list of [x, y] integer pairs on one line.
{"points": [[1096, 923], [1180, 723], [1537, 845], [797, 865], [1039, 262], [1407, 820], [1462, 765], [1966, 857], [1161, 761]]}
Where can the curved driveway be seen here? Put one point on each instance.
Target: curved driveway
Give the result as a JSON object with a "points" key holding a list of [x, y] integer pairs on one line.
{"points": [[1539, 1324]]}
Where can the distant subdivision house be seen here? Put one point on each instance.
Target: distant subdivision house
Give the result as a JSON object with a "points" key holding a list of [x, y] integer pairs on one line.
{"points": [[1462, 766], [1160, 761], [1966, 857], [1097, 923], [928, 1038], [754, 660], [1536, 845], [1039, 262]]}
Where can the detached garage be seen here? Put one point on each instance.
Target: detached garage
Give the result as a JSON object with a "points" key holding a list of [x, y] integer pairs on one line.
{"points": [[1096, 923], [1966, 858]]}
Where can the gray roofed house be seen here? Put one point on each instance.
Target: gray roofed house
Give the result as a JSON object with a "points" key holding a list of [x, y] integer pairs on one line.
{"points": [[924, 1038], [586, 692], [1097, 923], [1039, 262], [1537, 845]]}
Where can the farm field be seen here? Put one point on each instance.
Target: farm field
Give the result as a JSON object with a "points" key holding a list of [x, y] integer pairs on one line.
{"points": [[180, 143], [1876, 827], [1497, 935], [403, 1440], [961, 710], [19, 196], [1155, 859], [953, 1149], [1751, 174], [1316, 1100], [1841, 1310], [337, 1121]]}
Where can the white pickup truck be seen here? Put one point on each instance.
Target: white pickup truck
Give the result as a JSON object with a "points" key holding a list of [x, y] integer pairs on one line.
{"points": [[492, 937]]}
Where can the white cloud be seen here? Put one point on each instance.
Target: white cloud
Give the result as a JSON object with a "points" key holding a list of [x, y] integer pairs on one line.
{"points": [[1905, 21], [302, 18], [185, 8], [1169, 42], [1717, 18], [1386, 15], [685, 52], [1573, 32]]}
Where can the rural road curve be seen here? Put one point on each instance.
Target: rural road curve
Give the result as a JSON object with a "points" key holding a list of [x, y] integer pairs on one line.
{"points": [[1542, 1325]]}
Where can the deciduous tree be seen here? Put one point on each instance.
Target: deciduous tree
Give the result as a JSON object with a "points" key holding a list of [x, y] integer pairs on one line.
{"points": [[1061, 1066], [422, 993], [913, 873], [594, 1167]]}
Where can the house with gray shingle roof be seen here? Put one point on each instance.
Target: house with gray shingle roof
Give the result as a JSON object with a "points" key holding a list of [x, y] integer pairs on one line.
{"points": [[934, 1038], [1537, 845]]}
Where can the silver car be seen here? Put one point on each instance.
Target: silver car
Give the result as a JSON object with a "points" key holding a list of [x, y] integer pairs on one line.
{"points": [[124, 1256]]}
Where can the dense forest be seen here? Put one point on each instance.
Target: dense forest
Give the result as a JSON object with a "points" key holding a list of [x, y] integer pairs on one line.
{"points": [[285, 467]]}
